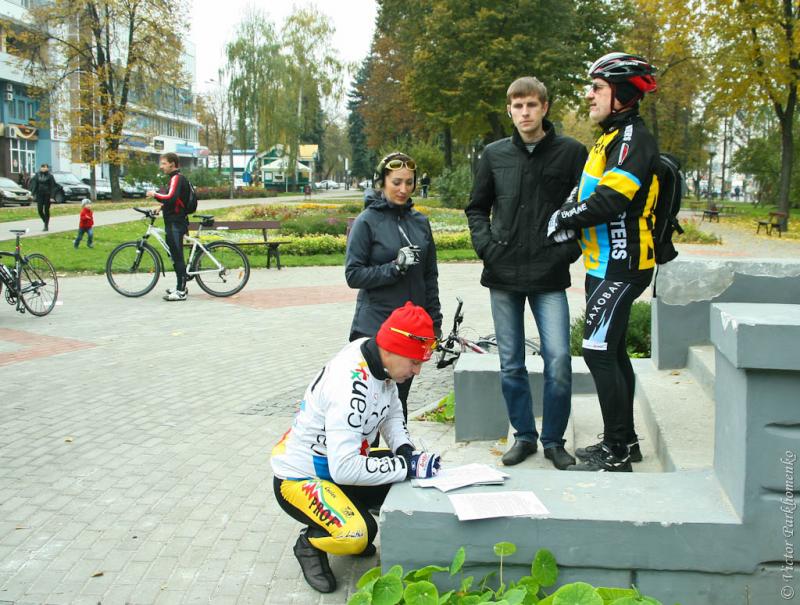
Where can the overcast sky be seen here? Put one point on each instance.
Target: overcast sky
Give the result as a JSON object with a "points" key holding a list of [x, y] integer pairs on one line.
{"points": [[214, 23]]}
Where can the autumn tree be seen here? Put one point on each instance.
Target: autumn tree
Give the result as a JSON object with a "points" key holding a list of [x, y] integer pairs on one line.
{"points": [[386, 107], [469, 52], [756, 58], [279, 81], [109, 55], [665, 33], [214, 114]]}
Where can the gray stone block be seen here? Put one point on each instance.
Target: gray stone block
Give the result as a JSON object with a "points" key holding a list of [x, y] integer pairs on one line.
{"points": [[685, 289], [481, 410], [691, 588], [757, 336]]}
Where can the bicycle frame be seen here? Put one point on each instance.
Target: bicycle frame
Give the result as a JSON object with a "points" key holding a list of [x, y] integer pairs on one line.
{"points": [[197, 246], [448, 346], [13, 279]]}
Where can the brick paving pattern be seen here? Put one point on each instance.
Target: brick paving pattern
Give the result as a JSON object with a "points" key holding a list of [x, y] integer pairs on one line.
{"points": [[134, 459]]}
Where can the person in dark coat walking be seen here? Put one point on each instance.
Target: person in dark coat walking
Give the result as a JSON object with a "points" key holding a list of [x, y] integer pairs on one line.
{"points": [[391, 256], [43, 187]]}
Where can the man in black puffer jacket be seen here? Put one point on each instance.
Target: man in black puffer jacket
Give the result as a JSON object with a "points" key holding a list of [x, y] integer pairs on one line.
{"points": [[521, 181]]}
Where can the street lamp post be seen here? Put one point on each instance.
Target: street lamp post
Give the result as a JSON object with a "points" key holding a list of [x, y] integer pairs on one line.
{"points": [[229, 141], [712, 151]]}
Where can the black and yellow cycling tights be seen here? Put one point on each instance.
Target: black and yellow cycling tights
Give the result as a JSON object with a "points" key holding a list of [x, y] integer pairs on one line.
{"points": [[337, 516], [608, 309]]}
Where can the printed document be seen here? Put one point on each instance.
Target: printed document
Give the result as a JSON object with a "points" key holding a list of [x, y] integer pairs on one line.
{"points": [[487, 505]]}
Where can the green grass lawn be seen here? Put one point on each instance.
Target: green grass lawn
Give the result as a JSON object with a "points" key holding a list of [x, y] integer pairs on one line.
{"points": [[66, 259], [21, 213]]}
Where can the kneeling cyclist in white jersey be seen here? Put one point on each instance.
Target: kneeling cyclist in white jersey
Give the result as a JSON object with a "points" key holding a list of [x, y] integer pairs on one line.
{"points": [[324, 473]]}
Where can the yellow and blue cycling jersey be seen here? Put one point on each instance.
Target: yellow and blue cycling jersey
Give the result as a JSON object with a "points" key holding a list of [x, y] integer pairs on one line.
{"points": [[615, 199]]}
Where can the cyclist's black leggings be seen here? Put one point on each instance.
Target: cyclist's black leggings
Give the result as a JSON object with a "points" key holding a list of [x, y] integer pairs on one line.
{"points": [[44, 211], [175, 232], [608, 309]]}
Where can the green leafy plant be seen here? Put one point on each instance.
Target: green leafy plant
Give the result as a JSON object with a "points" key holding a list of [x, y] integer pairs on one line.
{"points": [[416, 587], [454, 186], [445, 410]]}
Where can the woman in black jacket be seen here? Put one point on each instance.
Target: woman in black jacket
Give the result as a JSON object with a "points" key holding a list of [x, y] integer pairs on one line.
{"points": [[391, 257]]}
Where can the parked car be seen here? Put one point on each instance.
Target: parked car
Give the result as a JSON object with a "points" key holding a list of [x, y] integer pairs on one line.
{"points": [[102, 188], [326, 184], [12, 193], [365, 184], [129, 190], [69, 187]]}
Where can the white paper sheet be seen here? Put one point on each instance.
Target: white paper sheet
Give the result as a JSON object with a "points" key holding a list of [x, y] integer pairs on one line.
{"points": [[487, 505], [460, 476]]}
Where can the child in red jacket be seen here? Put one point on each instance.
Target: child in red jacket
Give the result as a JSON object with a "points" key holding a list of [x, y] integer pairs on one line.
{"points": [[85, 224]]}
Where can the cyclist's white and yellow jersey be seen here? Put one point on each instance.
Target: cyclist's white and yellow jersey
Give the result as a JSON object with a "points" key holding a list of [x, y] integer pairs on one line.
{"points": [[343, 409], [615, 202]]}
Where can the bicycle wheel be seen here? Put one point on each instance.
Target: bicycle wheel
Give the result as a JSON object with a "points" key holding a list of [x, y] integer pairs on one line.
{"points": [[227, 275], [133, 268], [38, 284]]}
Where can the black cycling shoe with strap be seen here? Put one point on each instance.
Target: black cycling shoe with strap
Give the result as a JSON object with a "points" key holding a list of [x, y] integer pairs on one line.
{"points": [[606, 461], [585, 453], [314, 563]]}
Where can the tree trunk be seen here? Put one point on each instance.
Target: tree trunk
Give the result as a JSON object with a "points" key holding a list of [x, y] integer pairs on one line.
{"points": [[113, 177], [496, 126], [448, 147]]}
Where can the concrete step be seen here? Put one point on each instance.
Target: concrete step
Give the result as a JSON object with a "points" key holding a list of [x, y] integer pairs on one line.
{"points": [[700, 362], [678, 415]]}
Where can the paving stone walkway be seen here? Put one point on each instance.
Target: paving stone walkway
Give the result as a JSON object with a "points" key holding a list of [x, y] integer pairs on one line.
{"points": [[134, 458]]}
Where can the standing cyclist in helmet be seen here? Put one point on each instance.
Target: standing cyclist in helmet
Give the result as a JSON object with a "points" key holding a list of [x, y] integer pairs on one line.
{"points": [[613, 207]]}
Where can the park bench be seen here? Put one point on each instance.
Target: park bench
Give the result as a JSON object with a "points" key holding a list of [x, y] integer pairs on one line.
{"points": [[710, 215], [272, 245], [772, 222]]}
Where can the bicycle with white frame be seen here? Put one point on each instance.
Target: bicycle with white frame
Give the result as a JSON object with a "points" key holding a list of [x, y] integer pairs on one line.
{"points": [[220, 268]]}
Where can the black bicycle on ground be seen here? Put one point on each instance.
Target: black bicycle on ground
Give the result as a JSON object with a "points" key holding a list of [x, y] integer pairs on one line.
{"points": [[30, 282], [451, 348]]}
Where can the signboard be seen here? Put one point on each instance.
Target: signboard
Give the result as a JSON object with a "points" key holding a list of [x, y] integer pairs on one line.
{"points": [[158, 144]]}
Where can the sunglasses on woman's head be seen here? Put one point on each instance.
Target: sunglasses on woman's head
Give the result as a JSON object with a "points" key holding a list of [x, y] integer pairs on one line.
{"points": [[397, 164]]}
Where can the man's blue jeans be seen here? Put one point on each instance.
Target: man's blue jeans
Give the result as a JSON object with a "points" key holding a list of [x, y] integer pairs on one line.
{"points": [[551, 313]]}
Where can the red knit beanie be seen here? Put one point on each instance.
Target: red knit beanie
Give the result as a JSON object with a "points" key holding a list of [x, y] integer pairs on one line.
{"points": [[408, 332]]}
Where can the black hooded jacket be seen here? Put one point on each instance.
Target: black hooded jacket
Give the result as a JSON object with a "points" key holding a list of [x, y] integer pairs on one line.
{"points": [[372, 247], [513, 196]]}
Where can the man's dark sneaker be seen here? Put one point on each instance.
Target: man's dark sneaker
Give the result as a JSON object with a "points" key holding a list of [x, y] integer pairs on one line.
{"points": [[314, 563], [560, 457], [519, 451], [585, 453], [369, 551], [605, 461]]}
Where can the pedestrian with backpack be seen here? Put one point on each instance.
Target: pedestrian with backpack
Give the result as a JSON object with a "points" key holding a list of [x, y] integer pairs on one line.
{"points": [[177, 200], [613, 207]]}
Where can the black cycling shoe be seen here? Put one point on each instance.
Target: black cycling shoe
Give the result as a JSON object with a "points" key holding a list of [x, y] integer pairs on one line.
{"points": [[314, 563], [519, 451], [585, 453], [560, 457], [605, 461]]}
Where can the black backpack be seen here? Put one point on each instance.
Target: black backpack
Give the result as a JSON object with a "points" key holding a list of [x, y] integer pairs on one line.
{"points": [[668, 204], [191, 203]]}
